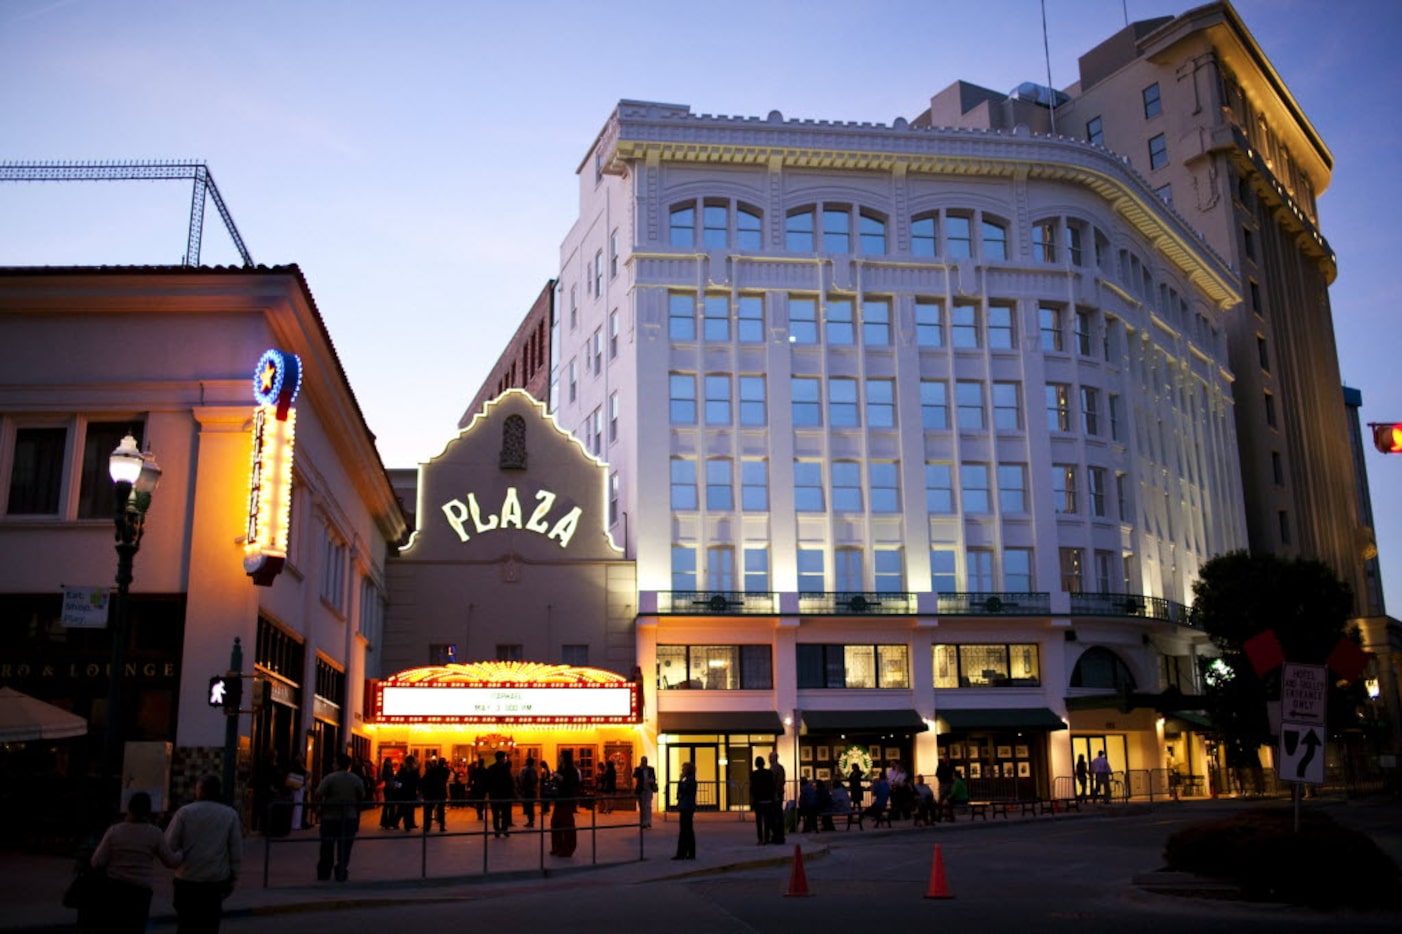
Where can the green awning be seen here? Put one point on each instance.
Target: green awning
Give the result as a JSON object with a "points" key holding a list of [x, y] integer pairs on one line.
{"points": [[1194, 720], [720, 721], [863, 721], [1000, 718]]}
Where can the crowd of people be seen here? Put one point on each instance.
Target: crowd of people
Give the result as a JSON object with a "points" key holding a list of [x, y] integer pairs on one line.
{"points": [[889, 792]]}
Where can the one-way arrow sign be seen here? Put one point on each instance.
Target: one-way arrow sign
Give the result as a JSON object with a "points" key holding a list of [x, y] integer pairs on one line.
{"points": [[1301, 753]]}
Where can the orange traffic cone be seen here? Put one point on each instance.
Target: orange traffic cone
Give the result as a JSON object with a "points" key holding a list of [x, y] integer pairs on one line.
{"points": [[798, 879], [938, 887]]}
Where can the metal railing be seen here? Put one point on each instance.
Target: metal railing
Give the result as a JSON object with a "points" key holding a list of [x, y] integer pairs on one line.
{"points": [[987, 603], [717, 602], [866, 603], [1130, 604]]}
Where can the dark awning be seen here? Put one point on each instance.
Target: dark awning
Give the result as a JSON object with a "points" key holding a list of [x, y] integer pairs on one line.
{"points": [[1170, 700], [1194, 721], [1000, 718], [854, 721], [720, 721]]}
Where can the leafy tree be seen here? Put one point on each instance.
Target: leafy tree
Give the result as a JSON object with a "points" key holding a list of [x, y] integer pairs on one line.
{"points": [[1239, 595]]}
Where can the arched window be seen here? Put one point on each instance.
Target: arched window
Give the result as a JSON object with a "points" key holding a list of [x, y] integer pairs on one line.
{"points": [[1101, 668], [513, 443]]}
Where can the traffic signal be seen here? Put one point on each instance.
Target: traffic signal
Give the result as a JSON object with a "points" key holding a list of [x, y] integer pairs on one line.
{"points": [[1387, 437], [218, 690]]}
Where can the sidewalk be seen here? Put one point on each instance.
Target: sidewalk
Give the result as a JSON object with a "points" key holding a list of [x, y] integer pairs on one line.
{"points": [[388, 867]]}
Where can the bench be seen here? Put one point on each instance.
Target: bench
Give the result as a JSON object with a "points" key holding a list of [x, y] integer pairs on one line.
{"points": [[853, 817]]}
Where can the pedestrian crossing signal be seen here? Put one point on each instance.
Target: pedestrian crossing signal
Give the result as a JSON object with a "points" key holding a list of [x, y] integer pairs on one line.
{"points": [[1387, 437], [226, 691]]}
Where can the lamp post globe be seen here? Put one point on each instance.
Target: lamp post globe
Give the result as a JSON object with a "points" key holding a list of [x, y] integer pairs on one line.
{"points": [[134, 477]]}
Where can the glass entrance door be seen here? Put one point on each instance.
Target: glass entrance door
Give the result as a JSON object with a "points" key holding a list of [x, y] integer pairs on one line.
{"points": [[710, 794]]}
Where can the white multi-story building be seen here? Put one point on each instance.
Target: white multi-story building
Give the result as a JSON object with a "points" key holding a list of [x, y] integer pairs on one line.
{"points": [[911, 432]]}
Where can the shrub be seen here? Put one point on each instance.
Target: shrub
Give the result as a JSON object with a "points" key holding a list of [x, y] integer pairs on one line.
{"points": [[1323, 865]]}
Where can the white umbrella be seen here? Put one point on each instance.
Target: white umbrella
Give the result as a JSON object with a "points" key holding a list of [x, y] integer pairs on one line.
{"points": [[23, 718]]}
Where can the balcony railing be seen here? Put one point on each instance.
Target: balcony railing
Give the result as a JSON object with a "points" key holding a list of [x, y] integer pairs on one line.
{"points": [[717, 602], [866, 603], [1002, 603], [1130, 604]]}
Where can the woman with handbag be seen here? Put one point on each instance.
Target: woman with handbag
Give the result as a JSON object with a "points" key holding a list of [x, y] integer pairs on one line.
{"points": [[125, 853]]}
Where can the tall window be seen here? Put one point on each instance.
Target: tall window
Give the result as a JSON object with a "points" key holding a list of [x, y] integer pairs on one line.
{"points": [[939, 489], [613, 498], [1114, 402], [929, 323], [598, 273], [881, 403], [715, 324], [1090, 410], [871, 234], [756, 569], [613, 417], [754, 485], [1044, 241], [885, 486], [574, 379], [1007, 407], [811, 577], [1106, 577], [803, 320], [807, 400], [846, 486], [1058, 407], [943, 570], [718, 399], [841, 329], [749, 325], [973, 488], [980, 570], [890, 574], [333, 579], [1158, 152], [596, 432], [720, 491], [1001, 333], [1095, 131], [1095, 487], [598, 351], [847, 569], [681, 316], [995, 240], [720, 567], [958, 236], [748, 235], [613, 335], [684, 567], [613, 255], [924, 240], [95, 485], [842, 402], [683, 398], [753, 407], [968, 397], [1049, 319], [837, 230], [1153, 104], [876, 322], [1072, 571], [1073, 244], [934, 405], [1064, 488], [964, 323], [682, 230], [715, 226], [1083, 320], [1017, 570], [684, 483], [1012, 488], [808, 486], [798, 232]]}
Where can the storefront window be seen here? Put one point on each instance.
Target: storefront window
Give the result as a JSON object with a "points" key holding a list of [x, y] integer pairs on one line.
{"points": [[986, 666]]}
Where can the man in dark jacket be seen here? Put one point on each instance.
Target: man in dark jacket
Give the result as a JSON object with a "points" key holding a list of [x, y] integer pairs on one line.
{"points": [[435, 789], [762, 798], [501, 788]]}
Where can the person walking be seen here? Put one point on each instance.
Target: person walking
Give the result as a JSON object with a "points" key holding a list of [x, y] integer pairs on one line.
{"points": [[501, 788], [644, 786], [209, 837], [1082, 777], [761, 798], [1100, 768], [776, 768], [563, 839], [528, 782], [126, 852], [340, 794], [435, 789], [686, 811]]}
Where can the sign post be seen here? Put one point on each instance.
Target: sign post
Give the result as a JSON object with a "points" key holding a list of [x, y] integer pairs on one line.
{"points": [[1304, 692]]}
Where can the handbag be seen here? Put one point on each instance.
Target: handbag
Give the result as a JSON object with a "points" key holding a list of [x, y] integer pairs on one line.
{"points": [[86, 890]]}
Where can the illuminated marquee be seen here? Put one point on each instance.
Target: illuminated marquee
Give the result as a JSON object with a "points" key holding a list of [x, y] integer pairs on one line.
{"points": [[507, 692], [509, 516], [276, 379]]}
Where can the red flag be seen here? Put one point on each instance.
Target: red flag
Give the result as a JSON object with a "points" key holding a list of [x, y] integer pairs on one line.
{"points": [[1264, 652], [1348, 660]]}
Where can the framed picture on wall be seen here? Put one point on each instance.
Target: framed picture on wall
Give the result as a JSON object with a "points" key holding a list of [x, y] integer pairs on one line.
{"points": [[805, 754], [975, 770], [805, 771], [892, 753], [824, 775], [1024, 770], [875, 753], [971, 751], [824, 753], [956, 750], [1005, 752], [1020, 752]]}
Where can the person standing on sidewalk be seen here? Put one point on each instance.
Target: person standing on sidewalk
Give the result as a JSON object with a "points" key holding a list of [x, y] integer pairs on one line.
{"points": [[528, 781], [1100, 768], [501, 788], [686, 811], [435, 790], [209, 837], [776, 830], [761, 798], [125, 853], [644, 786], [340, 794], [563, 838]]}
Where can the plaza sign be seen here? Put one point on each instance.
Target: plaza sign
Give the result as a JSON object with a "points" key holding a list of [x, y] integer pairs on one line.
{"points": [[509, 516]]}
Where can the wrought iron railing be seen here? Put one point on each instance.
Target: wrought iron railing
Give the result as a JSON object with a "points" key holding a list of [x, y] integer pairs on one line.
{"points": [[717, 602], [1002, 603], [866, 603], [1130, 604]]}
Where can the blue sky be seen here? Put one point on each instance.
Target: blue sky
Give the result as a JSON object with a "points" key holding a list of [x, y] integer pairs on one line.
{"points": [[417, 159]]}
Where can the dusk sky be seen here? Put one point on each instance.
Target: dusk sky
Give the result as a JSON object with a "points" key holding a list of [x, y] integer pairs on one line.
{"points": [[417, 159]]}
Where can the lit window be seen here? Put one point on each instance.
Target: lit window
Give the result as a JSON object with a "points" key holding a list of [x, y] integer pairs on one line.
{"points": [[1064, 488], [1058, 407]]}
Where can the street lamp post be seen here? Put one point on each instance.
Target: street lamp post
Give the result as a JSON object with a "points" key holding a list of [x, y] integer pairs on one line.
{"points": [[134, 478]]}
